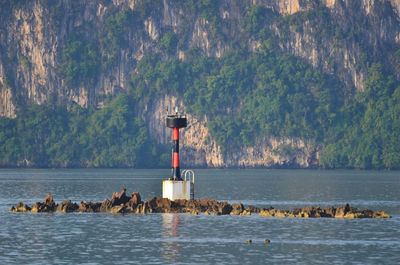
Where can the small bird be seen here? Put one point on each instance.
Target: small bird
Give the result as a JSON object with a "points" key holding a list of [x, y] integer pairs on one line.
{"points": [[249, 241], [267, 241]]}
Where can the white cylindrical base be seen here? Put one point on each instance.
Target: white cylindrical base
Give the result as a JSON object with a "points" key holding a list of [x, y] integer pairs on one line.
{"points": [[175, 190]]}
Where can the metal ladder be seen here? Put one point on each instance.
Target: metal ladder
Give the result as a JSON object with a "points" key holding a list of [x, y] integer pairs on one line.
{"points": [[188, 174]]}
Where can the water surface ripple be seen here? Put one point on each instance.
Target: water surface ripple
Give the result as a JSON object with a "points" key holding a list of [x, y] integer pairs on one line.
{"points": [[85, 238]]}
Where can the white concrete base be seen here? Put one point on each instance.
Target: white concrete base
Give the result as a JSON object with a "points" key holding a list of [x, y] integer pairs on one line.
{"points": [[175, 190]]}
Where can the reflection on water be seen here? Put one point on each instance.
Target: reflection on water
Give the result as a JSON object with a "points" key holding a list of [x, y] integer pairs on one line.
{"points": [[170, 247], [187, 239]]}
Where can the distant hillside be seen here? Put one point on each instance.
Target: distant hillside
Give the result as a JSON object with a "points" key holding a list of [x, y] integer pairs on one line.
{"points": [[266, 83]]}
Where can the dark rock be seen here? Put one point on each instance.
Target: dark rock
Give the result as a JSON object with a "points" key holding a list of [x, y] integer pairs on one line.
{"points": [[119, 198], [45, 207], [119, 209], [139, 209], [380, 214], [237, 209], [160, 205], [252, 209], [342, 211], [184, 205], [351, 215], [136, 198], [311, 212], [347, 208], [214, 209], [297, 212], [89, 207], [146, 208], [329, 212], [245, 212], [67, 206], [20, 208], [225, 208], [133, 203], [280, 213], [207, 203], [339, 213], [195, 212], [105, 206], [366, 214], [49, 199], [265, 212], [40, 207], [36, 207]]}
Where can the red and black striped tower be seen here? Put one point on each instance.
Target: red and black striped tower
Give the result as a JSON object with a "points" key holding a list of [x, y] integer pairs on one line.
{"points": [[176, 121]]}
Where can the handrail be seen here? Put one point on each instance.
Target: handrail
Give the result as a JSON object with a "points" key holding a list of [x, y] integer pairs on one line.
{"points": [[188, 174]]}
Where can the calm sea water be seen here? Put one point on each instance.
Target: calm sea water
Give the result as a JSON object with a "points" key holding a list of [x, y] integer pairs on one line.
{"points": [[185, 239]]}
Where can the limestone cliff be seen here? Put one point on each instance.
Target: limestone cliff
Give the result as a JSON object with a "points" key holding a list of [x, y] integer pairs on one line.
{"points": [[33, 36], [200, 148], [359, 28]]}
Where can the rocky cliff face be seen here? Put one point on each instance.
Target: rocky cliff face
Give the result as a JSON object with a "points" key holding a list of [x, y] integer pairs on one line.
{"points": [[360, 27], [200, 148], [34, 35]]}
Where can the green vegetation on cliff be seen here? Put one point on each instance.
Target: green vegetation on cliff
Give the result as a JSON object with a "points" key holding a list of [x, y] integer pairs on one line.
{"points": [[275, 95], [245, 95], [368, 134], [51, 136], [279, 95]]}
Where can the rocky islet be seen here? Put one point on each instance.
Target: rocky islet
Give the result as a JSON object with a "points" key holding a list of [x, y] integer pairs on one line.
{"points": [[120, 203]]}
